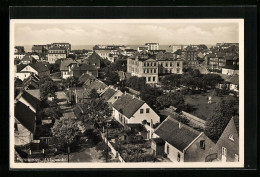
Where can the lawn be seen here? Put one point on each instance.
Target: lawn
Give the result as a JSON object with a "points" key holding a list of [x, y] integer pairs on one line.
{"points": [[202, 109]]}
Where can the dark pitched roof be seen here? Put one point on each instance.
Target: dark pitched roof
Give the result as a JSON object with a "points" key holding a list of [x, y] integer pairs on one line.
{"points": [[108, 94], [27, 58], [234, 79], [84, 67], [65, 63], [35, 93], [180, 138], [39, 67], [84, 77], [94, 59], [236, 122], [234, 67], [31, 99], [97, 84], [128, 105], [158, 140], [25, 116]]}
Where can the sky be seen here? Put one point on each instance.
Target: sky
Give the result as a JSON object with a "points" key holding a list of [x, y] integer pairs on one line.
{"points": [[125, 33]]}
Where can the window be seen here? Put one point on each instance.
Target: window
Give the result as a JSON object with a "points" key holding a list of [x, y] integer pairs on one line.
{"points": [[167, 149], [147, 70], [144, 64], [147, 110], [178, 157], [171, 64], [147, 64], [154, 70], [202, 144], [236, 158], [231, 137], [141, 111], [178, 64], [115, 97], [149, 79], [153, 78], [166, 64]]}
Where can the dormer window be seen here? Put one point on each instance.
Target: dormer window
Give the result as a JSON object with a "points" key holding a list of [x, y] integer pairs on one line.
{"points": [[231, 137]]}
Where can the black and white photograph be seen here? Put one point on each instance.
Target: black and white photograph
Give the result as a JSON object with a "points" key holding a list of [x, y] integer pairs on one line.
{"points": [[126, 93]]}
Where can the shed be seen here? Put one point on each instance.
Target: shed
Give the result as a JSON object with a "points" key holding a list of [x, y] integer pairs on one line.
{"points": [[157, 144]]}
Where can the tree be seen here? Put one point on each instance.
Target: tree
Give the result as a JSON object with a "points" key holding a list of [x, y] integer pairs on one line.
{"points": [[49, 87], [172, 81], [216, 124], [111, 78], [119, 65], [175, 99], [70, 82], [211, 80], [44, 79], [95, 111], [93, 94], [65, 131]]}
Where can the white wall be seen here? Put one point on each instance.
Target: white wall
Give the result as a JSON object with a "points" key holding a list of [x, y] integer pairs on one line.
{"points": [[138, 118], [173, 153], [117, 94], [30, 69], [23, 75]]}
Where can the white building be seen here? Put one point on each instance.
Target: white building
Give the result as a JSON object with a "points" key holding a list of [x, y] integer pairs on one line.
{"points": [[152, 46], [129, 109]]}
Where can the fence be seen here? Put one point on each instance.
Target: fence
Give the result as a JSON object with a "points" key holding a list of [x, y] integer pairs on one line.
{"points": [[114, 152]]}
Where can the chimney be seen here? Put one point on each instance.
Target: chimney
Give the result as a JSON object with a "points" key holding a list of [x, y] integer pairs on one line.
{"points": [[133, 96], [139, 98], [180, 125], [125, 93]]}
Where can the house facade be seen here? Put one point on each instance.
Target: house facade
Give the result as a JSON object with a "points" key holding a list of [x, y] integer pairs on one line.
{"points": [[227, 147], [37, 68], [56, 53], [183, 143], [152, 46], [150, 68], [25, 124], [131, 110]]}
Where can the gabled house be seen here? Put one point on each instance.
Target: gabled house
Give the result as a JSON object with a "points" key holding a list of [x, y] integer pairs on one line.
{"points": [[29, 100], [182, 143], [70, 68], [94, 59], [111, 94], [25, 124], [27, 59], [227, 147], [85, 77], [131, 110], [31, 82], [37, 68], [96, 85]]}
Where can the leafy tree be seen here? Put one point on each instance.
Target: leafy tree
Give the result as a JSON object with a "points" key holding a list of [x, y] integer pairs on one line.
{"points": [[111, 78], [93, 94], [216, 124], [178, 52], [65, 131], [49, 87], [211, 80], [172, 81], [136, 83], [95, 111], [44, 79], [70, 82], [175, 99], [119, 65]]}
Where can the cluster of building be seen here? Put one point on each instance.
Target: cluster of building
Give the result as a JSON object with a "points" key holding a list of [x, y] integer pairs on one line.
{"points": [[171, 138]]}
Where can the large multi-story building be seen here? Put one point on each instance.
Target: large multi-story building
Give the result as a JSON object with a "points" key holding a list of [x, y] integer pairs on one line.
{"points": [[56, 53], [152, 46], [150, 69], [189, 54], [67, 46]]}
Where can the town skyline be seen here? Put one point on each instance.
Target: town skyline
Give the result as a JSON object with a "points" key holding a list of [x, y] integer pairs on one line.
{"points": [[126, 33]]}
